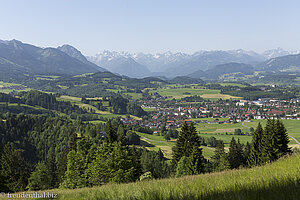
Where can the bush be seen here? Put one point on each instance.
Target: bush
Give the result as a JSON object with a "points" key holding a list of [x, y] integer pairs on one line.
{"points": [[146, 176]]}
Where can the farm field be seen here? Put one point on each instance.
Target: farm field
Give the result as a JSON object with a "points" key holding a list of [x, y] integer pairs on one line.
{"points": [[77, 101], [278, 180], [219, 130], [166, 146], [157, 142], [292, 127], [179, 93], [10, 87]]}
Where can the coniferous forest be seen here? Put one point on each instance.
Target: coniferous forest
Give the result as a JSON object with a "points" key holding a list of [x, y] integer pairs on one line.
{"points": [[41, 152]]}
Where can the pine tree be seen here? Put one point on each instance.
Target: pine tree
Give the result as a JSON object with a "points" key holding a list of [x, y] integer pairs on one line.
{"points": [[220, 159], [197, 160], [283, 139], [15, 169], [184, 167], [113, 163], [235, 155], [270, 148], [186, 141], [40, 179], [246, 153], [255, 156], [110, 133], [52, 168], [75, 176], [121, 135]]}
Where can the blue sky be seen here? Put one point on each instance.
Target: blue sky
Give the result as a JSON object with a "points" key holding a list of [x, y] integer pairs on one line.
{"points": [[153, 25]]}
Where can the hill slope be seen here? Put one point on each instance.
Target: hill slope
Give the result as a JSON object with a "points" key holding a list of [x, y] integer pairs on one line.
{"points": [[75, 53], [279, 180], [288, 62]]}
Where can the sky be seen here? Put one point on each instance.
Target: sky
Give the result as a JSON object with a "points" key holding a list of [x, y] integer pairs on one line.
{"points": [[153, 26]]}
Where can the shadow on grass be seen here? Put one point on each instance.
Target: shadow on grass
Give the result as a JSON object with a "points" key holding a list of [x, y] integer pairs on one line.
{"points": [[146, 144], [274, 190]]}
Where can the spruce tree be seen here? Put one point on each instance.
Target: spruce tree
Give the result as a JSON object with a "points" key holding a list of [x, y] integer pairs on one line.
{"points": [[197, 160], [188, 147], [270, 148], [40, 179], [282, 139], [121, 135], [15, 169], [220, 159], [111, 135], [246, 153], [255, 155], [184, 167], [235, 155], [188, 138]]}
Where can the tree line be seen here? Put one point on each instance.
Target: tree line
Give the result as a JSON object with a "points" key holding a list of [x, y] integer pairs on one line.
{"points": [[42, 152]]}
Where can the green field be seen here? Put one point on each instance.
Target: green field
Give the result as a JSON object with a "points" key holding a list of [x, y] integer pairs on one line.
{"points": [[219, 130], [106, 114], [166, 146], [135, 95], [292, 127], [158, 142], [4, 89], [179, 93], [232, 84], [148, 109], [276, 181]]}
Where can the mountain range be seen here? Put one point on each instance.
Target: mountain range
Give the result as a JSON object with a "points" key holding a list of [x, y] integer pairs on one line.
{"points": [[19, 60], [179, 64]]}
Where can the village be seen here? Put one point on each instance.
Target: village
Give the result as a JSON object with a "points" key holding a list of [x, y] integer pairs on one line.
{"points": [[172, 114]]}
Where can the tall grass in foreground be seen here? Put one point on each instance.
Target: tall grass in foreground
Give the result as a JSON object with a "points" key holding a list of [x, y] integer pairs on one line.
{"points": [[279, 180]]}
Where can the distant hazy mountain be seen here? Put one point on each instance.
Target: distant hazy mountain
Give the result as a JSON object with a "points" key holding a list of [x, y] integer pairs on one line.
{"points": [[273, 53], [160, 61], [75, 53], [229, 68], [289, 62], [29, 59], [172, 64], [120, 63], [208, 59], [186, 80]]}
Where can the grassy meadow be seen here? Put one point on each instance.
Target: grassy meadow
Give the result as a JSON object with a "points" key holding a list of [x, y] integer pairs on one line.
{"points": [[223, 132], [275, 181], [179, 93]]}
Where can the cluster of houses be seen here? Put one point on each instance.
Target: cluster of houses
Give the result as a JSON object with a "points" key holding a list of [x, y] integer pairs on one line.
{"points": [[175, 114]]}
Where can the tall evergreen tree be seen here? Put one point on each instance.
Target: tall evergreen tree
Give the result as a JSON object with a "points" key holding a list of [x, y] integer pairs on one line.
{"points": [[246, 154], [255, 156], [52, 168], [197, 160], [235, 154], [111, 135], [113, 163], [186, 141], [15, 169], [40, 179], [121, 135], [270, 148], [76, 176], [283, 139], [184, 167], [220, 159]]}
